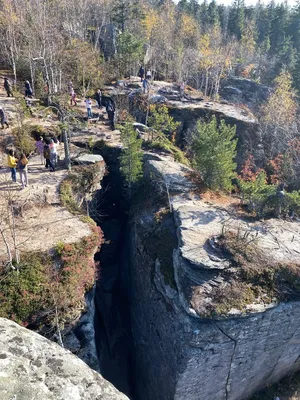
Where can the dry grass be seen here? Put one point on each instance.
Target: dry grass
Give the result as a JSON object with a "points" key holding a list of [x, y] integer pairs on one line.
{"points": [[252, 279]]}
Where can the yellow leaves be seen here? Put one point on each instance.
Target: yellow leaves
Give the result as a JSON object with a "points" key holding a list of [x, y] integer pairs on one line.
{"points": [[150, 21], [281, 106], [189, 27]]}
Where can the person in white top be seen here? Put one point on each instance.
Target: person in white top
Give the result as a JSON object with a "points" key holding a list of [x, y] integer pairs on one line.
{"points": [[148, 75], [53, 152], [88, 104]]}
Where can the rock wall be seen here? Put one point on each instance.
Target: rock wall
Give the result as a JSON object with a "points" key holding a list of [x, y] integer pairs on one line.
{"points": [[179, 354], [32, 367]]}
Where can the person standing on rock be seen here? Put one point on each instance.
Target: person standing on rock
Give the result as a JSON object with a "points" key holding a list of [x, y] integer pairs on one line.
{"points": [[98, 97], [23, 170], [181, 90], [110, 109], [88, 104], [141, 73], [53, 152], [47, 155], [12, 164], [28, 89], [145, 86], [7, 87], [73, 97], [148, 75], [39, 144], [3, 119]]}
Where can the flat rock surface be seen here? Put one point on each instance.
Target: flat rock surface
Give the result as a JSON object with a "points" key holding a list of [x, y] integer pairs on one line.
{"points": [[197, 261], [32, 367]]}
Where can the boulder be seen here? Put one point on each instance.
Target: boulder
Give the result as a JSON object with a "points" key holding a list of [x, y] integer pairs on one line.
{"points": [[247, 126], [32, 367], [85, 159], [244, 91]]}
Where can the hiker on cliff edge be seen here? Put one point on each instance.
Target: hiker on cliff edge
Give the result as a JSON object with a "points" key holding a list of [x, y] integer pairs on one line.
{"points": [[111, 109], [7, 87], [141, 73], [98, 97]]}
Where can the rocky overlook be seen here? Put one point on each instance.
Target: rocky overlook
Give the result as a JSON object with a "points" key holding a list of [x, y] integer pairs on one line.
{"points": [[252, 344], [34, 367]]}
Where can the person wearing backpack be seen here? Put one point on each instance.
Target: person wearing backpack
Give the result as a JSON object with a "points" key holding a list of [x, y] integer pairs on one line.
{"points": [[23, 170], [47, 155]]}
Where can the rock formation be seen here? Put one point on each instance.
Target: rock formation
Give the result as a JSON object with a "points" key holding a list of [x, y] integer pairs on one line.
{"points": [[32, 367], [180, 353], [193, 107]]}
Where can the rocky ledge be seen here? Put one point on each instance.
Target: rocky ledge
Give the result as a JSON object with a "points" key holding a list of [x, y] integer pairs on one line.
{"points": [[189, 343], [32, 367]]}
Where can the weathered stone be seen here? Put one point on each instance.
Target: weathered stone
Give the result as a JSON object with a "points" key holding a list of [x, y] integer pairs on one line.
{"points": [[88, 159], [244, 91], [32, 367], [180, 355]]}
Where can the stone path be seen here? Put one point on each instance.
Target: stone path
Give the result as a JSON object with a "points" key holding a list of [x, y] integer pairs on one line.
{"points": [[40, 221]]}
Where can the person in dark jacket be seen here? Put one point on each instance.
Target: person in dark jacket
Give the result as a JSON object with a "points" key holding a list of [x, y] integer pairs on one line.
{"points": [[141, 73], [110, 109], [47, 156], [3, 119], [7, 87], [28, 89], [98, 97]]}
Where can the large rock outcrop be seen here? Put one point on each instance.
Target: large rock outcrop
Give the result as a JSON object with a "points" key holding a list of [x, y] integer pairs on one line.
{"points": [[244, 91], [180, 353], [32, 367], [188, 110]]}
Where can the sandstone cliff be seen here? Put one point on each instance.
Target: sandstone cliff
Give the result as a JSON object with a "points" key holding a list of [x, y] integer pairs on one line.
{"points": [[33, 367], [181, 350]]}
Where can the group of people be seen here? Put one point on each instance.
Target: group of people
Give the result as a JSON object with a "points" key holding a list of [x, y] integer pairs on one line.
{"points": [[145, 80], [21, 164], [47, 149], [8, 88]]}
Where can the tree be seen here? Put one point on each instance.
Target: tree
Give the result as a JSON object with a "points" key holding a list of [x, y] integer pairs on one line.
{"points": [[124, 11], [214, 150], [279, 116], [131, 156], [237, 18], [130, 50], [161, 122]]}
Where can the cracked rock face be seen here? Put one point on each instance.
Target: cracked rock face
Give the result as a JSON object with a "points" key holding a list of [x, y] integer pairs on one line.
{"points": [[32, 367], [179, 354]]}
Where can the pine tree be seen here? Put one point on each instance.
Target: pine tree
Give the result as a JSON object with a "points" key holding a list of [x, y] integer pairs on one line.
{"points": [[213, 16], [236, 20], [125, 11], [214, 150], [131, 156]]}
